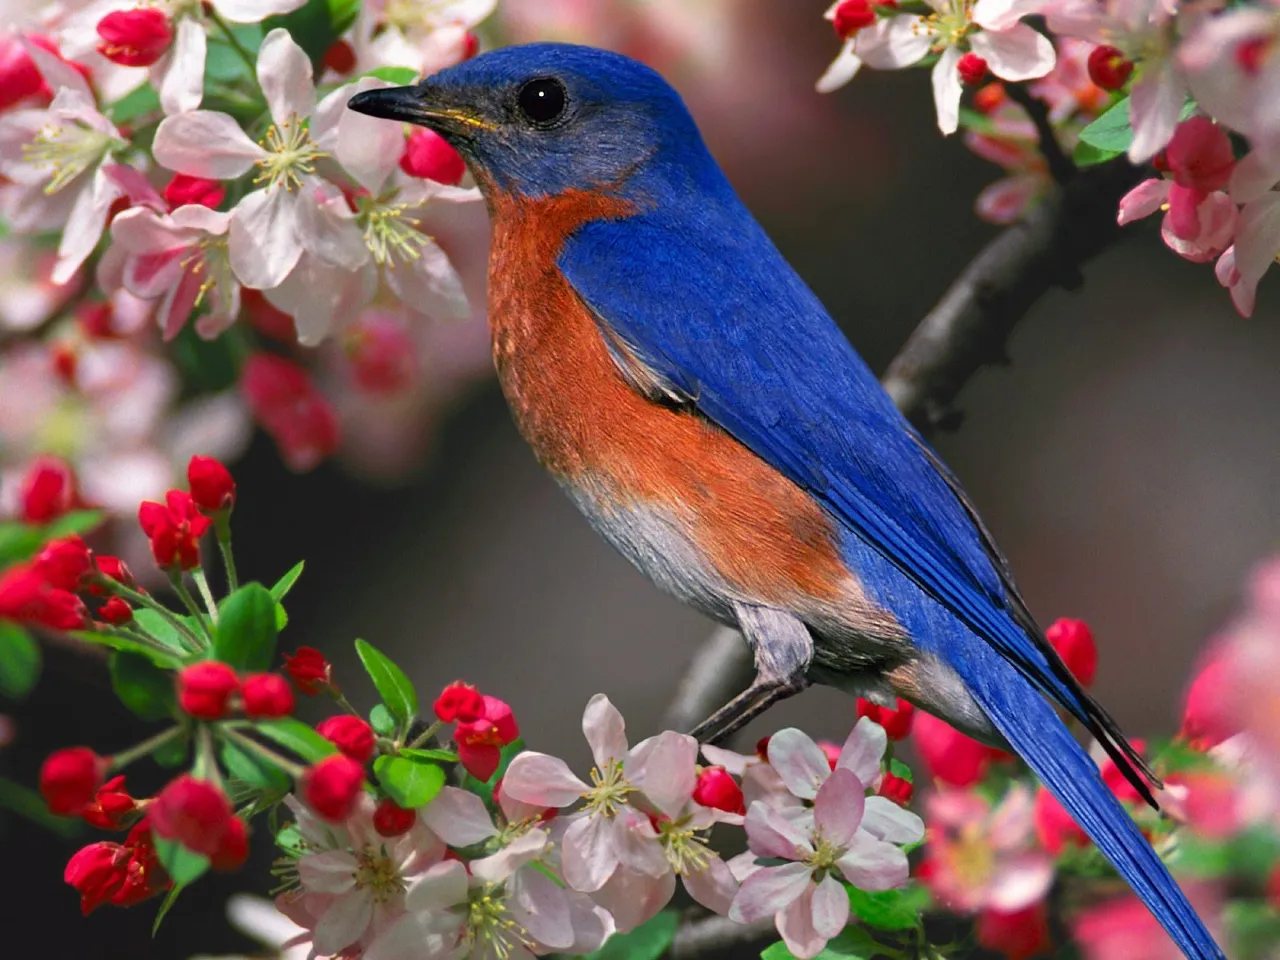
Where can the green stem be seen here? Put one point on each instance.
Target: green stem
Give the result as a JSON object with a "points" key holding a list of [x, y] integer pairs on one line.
{"points": [[136, 635], [148, 746], [294, 770], [343, 702], [228, 559], [194, 643], [180, 588], [206, 766], [425, 736], [203, 584], [235, 43]]}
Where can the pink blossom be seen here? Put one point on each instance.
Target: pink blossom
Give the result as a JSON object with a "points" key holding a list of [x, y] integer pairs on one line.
{"points": [[424, 37], [1197, 226], [1012, 50], [1123, 928], [808, 903], [1253, 184], [1143, 30], [610, 832], [980, 856]]}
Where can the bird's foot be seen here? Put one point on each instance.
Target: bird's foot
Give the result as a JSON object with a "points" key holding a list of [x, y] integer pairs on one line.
{"points": [[746, 706]]}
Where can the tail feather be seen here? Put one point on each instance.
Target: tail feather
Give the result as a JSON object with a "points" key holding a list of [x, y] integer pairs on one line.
{"points": [[1036, 732]]}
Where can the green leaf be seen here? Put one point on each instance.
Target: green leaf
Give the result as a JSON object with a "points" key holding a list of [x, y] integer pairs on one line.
{"points": [[134, 104], [25, 802], [19, 661], [183, 865], [649, 941], [484, 788], [444, 756], [853, 943], [173, 753], [18, 541], [285, 583], [132, 646], [316, 25], [1253, 929], [409, 782], [400, 76], [900, 769], [392, 685], [251, 769], [1111, 131], [383, 723], [246, 633], [166, 905], [158, 627], [899, 909], [143, 687], [1087, 155], [289, 839], [78, 522], [296, 736]]}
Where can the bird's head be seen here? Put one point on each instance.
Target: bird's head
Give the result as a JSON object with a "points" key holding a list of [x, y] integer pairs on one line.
{"points": [[539, 119]]}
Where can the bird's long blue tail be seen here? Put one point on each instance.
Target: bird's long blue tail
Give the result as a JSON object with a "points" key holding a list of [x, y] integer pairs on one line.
{"points": [[1035, 731]]}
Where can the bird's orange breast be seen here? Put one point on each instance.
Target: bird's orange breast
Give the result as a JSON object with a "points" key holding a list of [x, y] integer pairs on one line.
{"points": [[760, 532]]}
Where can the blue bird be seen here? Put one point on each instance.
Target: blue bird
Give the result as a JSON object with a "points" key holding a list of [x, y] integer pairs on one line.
{"points": [[705, 413]]}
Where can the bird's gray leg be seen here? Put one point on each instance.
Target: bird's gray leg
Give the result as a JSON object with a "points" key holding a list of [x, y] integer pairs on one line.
{"points": [[783, 650]]}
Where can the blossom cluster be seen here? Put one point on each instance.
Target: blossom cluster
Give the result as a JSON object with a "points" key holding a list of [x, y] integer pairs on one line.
{"points": [[1186, 88], [185, 202]]}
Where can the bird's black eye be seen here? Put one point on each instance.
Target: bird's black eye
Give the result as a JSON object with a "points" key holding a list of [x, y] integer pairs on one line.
{"points": [[543, 101]]}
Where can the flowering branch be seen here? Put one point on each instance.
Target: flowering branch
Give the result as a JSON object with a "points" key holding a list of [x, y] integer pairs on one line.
{"points": [[1060, 165], [713, 934]]}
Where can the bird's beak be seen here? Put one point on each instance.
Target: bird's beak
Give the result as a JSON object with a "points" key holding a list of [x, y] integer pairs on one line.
{"points": [[423, 105]]}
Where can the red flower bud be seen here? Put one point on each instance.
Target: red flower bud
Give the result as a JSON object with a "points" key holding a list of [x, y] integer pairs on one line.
{"points": [[762, 748], [63, 563], [265, 318], [340, 57], [351, 735], [1055, 828], [1250, 53], [193, 812], [111, 807], [282, 398], [48, 490], [233, 850], [96, 320], [135, 38], [115, 569], [1017, 935], [949, 755], [1074, 642], [898, 789], [1208, 717], [115, 611], [384, 358], [391, 819], [852, 16], [895, 720], [267, 695], [26, 597], [309, 670], [184, 191], [212, 488], [97, 872], [459, 701], [19, 78], [1200, 155], [1109, 68], [989, 99], [204, 689], [332, 786], [69, 779], [429, 156], [972, 69], [716, 788], [480, 741], [174, 529]]}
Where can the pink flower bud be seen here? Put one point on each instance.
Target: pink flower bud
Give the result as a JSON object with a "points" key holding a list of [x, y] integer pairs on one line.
{"points": [[193, 812], [1200, 156], [459, 701], [895, 720], [898, 789], [716, 788], [135, 38], [184, 191], [282, 398], [204, 689], [70, 778], [332, 786], [174, 529], [267, 695], [351, 735], [429, 156], [1109, 68], [48, 490], [391, 820], [852, 16], [972, 69], [309, 670], [212, 488], [1074, 642]]}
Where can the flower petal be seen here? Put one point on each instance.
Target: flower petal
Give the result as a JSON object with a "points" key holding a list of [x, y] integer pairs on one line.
{"points": [[769, 834], [892, 43], [605, 730], [441, 887], [343, 922], [664, 768], [264, 243], [284, 73], [842, 69], [1143, 200], [588, 856], [458, 817], [542, 780], [830, 907], [795, 924], [768, 891], [1155, 104], [181, 73], [1003, 14], [541, 906], [1021, 881], [205, 143], [837, 810], [799, 761], [863, 749], [367, 148], [885, 820], [637, 845], [254, 11], [332, 871], [85, 224], [1018, 53], [634, 898], [946, 91], [871, 864], [714, 886]]}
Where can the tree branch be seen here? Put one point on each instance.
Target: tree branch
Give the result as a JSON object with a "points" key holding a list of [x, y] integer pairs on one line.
{"points": [[966, 330], [1061, 167]]}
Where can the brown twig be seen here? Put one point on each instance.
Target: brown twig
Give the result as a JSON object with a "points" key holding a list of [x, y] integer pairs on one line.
{"points": [[1061, 167]]}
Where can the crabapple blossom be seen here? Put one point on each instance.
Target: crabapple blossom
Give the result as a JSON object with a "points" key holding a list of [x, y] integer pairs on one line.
{"points": [[950, 756], [70, 778], [809, 904], [1073, 640], [1256, 186], [309, 670], [423, 36], [267, 695], [205, 689], [119, 874], [112, 807], [983, 856], [990, 30]]}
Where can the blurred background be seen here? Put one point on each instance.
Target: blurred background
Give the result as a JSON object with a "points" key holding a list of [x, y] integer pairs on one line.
{"points": [[1127, 461]]}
